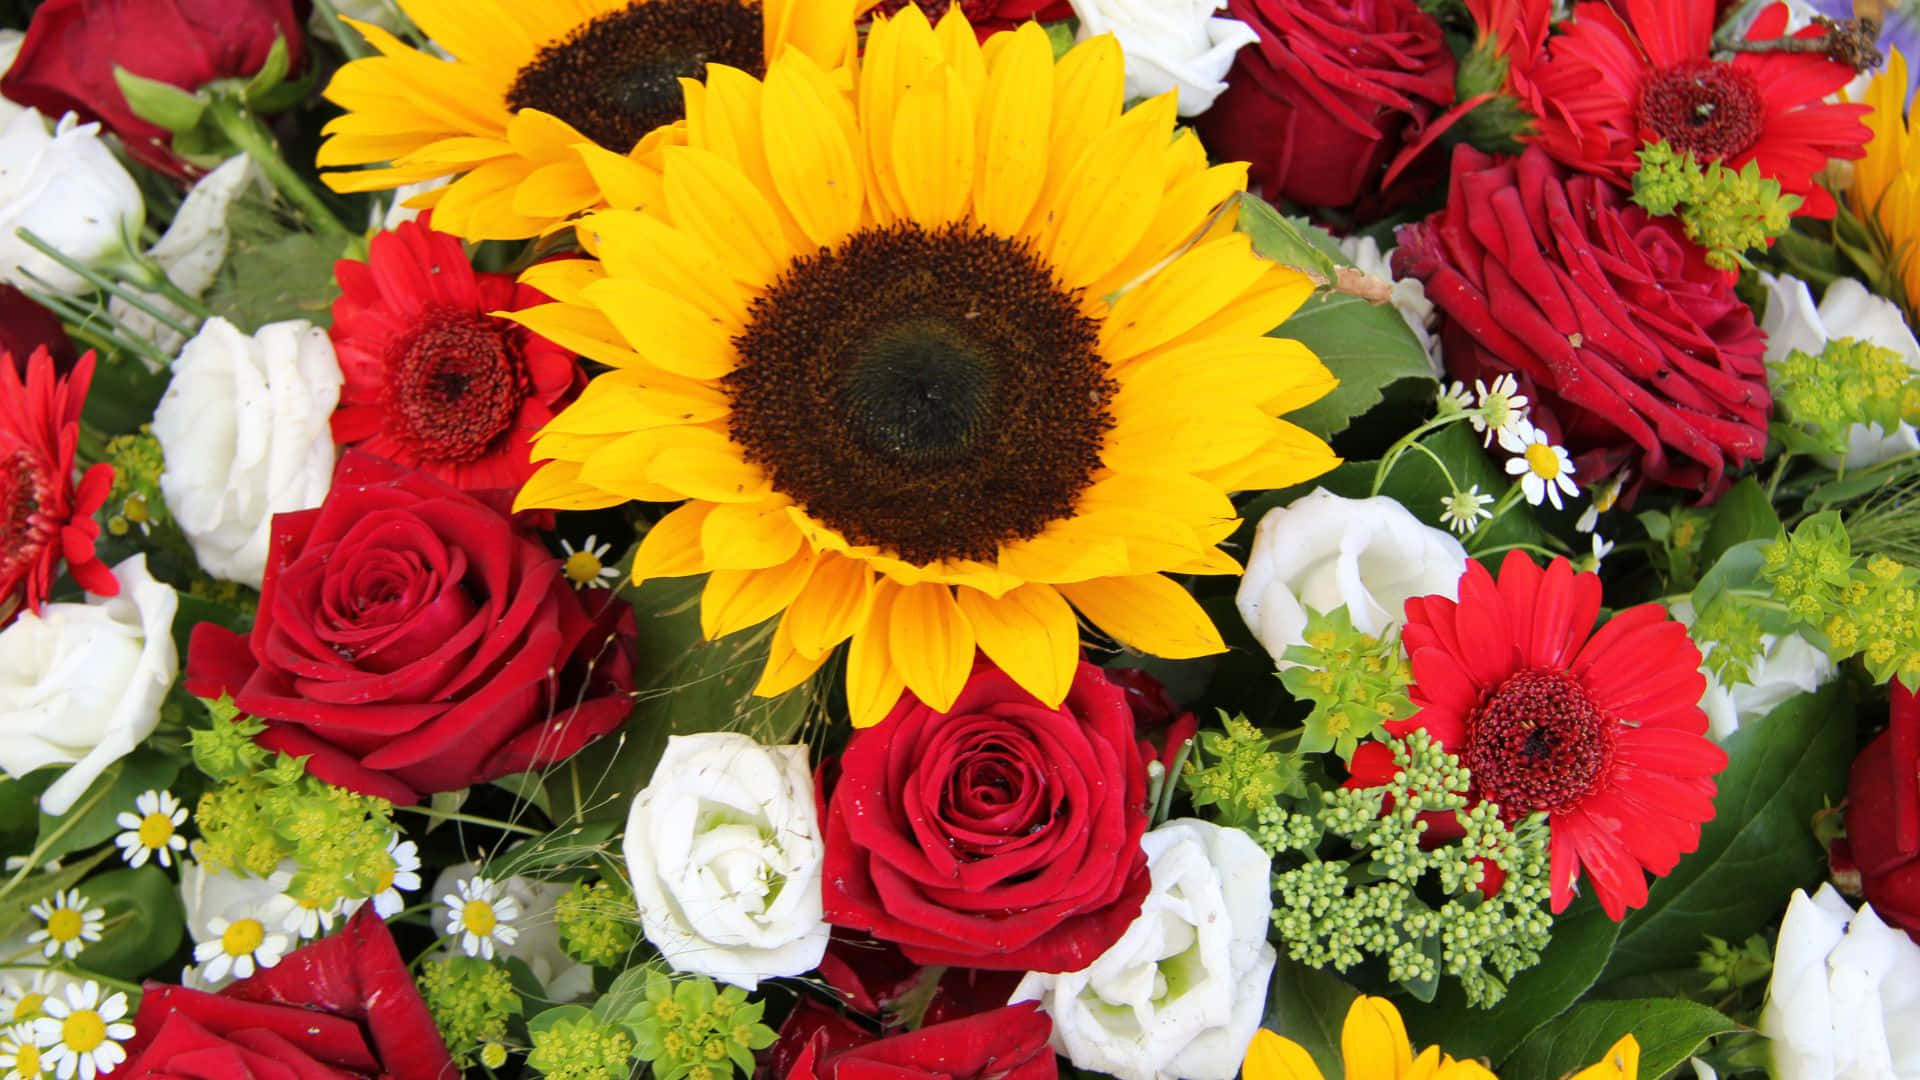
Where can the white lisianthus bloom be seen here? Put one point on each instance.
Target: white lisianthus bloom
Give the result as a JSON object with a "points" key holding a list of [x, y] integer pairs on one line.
{"points": [[1169, 45], [1182, 991], [1323, 552], [192, 250], [1786, 666], [245, 430], [1792, 321], [81, 684], [1845, 994], [66, 186], [538, 940], [1409, 296], [725, 851]]}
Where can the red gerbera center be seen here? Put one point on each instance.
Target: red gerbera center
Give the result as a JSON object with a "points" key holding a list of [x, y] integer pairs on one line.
{"points": [[23, 532], [1710, 108], [458, 382], [1538, 743]]}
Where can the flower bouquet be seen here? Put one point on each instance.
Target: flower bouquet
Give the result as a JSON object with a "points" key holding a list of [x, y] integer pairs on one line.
{"points": [[959, 539]]}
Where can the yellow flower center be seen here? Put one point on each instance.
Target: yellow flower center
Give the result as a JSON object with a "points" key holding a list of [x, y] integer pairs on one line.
{"points": [[64, 924], [1543, 461], [26, 1061], [244, 936], [385, 881], [136, 509], [155, 830], [28, 1006], [83, 1031], [478, 918], [582, 567]]}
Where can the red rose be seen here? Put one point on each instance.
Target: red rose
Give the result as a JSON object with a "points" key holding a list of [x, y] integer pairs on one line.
{"points": [[343, 1008], [1632, 350], [1009, 1043], [1330, 96], [26, 327], [1001, 834], [412, 641], [72, 46], [1883, 816]]}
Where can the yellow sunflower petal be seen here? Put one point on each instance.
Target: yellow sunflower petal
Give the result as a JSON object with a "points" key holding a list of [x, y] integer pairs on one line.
{"points": [[811, 141], [901, 52], [960, 47], [642, 247], [702, 464], [822, 29], [672, 547], [786, 667], [931, 643], [624, 183], [1031, 633], [1089, 84], [874, 683], [834, 604], [582, 329], [558, 190], [933, 148], [710, 198], [1107, 205], [1147, 612], [736, 599], [1055, 556], [564, 279], [1621, 1062], [1191, 290], [1292, 456], [1374, 1042], [623, 401], [1014, 119], [748, 536], [556, 485], [1270, 1057], [670, 333]]}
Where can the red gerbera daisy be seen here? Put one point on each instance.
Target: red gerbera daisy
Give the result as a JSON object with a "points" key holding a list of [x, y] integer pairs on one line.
{"points": [[43, 516], [1602, 729], [1629, 72], [433, 380]]}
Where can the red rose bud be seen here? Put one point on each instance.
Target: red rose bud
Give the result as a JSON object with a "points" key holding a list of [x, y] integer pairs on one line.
{"points": [[1008, 1043], [1631, 349], [343, 1008], [73, 48], [411, 641], [1330, 97], [1883, 816], [1001, 834]]}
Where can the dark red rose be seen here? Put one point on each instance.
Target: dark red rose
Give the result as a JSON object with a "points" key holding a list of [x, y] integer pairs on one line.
{"points": [[1632, 351], [412, 641], [1883, 816], [1009, 1043], [987, 17], [343, 1008], [72, 46], [1162, 727], [26, 326], [1001, 834], [1333, 93]]}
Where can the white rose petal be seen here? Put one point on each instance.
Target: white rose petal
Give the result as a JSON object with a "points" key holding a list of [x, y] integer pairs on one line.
{"points": [[192, 250], [725, 853], [68, 188], [81, 684], [1182, 991], [1169, 45], [245, 430], [1323, 552], [1844, 1001], [538, 940], [1792, 321]]}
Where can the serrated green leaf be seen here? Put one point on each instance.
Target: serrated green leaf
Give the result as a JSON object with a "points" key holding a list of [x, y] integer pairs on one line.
{"points": [[1668, 1031], [287, 277], [144, 922], [1368, 348], [1309, 1006]]}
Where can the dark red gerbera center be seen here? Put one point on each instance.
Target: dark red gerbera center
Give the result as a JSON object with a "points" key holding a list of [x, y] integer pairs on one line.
{"points": [[23, 532], [1710, 108], [1538, 743], [457, 383]]}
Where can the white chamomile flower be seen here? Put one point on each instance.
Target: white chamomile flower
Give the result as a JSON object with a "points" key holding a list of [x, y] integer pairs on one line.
{"points": [[19, 1054], [69, 924], [1604, 497], [302, 918], [1601, 549], [1503, 409], [238, 946], [153, 831], [1545, 470], [482, 915], [1463, 510], [21, 1003], [586, 567], [81, 1035], [405, 874], [15, 862], [1456, 398]]}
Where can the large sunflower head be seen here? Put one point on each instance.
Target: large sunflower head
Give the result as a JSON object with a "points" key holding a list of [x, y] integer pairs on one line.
{"points": [[931, 360], [545, 107]]}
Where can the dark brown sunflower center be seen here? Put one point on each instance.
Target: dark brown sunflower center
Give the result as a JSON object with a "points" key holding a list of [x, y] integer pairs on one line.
{"points": [[618, 77], [1710, 108], [1538, 743], [932, 394], [456, 385]]}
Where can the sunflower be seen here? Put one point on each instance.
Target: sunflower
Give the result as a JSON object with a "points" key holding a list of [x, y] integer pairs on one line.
{"points": [[1374, 1046], [545, 107], [931, 362], [1886, 182]]}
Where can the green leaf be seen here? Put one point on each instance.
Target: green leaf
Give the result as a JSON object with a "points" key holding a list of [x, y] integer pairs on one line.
{"points": [[288, 277], [195, 610], [1743, 514], [546, 1018], [91, 818], [18, 799], [1567, 969], [160, 103], [1759, 847], [1668, 1031], [144, 922], [1309, 1006], [1367, 347], [271, 74], [1738, 567], [1289, 241], [123, 395]]}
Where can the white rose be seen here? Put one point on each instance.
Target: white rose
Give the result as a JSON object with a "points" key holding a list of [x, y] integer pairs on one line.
{"points": [[245, 430], [192, 250], [1323, 552], [10, 41], [1409, 295], [398, 212], [724, 850], [81, 684], [1792, 321], [1785, 667], [1169, 45], [1844, 1002], [1205, 921], [67, 187], [538, 941]]}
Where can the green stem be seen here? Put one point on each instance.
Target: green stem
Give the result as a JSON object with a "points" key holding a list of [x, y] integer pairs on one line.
{"points": [[1779, 470], [1411, 438], [1511, 498], [471, 819], [245, 131], [349, 39], [154, 278], [104, 283]]}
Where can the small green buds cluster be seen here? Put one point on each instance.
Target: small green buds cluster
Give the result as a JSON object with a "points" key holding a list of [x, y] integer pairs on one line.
{"points": [[135, 501], [1849, 382], [1356, 682], [1731, 968], [1370, 900], [1238, 773], [689, 1029], [1730, 639], [1852, 606], [597, 923], [581, 1047], [1725, 211], [472, 1000]]}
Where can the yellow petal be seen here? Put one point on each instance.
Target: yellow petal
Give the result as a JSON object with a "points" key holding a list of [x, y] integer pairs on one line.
{"points": [[960, 48], [786, 668], [1014, 119], [1191, 290], [644, 248], [834, 604], [710, 198], [1373, 1041], [711, 469], [821, 29], [1270, 1057], [1031, 633], [1147, 612], [736, 599], [1108, 203], [748, 536], [874, 684], [1089, 85], [556, 486], [564, 279], [624, 183], [901, 52], [808, 127], [931, 643], [1622, 1062], [1055, 556], [670, 333], [580, 328], [1292, 456], [933, 148], [672, 547]]}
